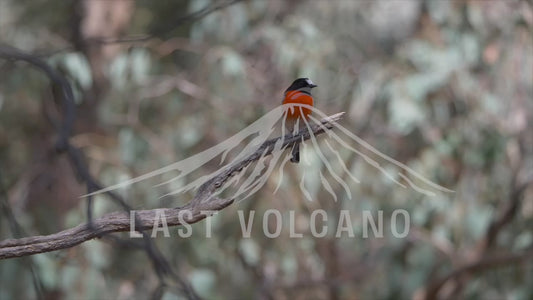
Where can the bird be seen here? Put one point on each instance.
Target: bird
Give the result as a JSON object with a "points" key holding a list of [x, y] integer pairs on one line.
{"points": [[299, 92]]}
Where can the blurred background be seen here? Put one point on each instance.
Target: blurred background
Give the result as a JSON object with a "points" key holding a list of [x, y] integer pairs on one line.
{"points": [[445, 87]]}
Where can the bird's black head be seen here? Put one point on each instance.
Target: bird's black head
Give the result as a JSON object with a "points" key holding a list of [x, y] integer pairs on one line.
{"points": [[301, 83]]}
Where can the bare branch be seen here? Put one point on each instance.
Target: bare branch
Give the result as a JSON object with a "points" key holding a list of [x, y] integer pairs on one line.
{"points": [[483, 261], [10, 53], [478, 266], [205, 200], [190, 18]]}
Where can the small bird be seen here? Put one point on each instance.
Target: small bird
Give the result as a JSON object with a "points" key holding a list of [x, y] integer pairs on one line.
{"points": [[299, 92]]}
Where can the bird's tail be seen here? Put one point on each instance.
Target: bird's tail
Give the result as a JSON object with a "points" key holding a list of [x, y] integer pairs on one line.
{"points": [[295, 153]]}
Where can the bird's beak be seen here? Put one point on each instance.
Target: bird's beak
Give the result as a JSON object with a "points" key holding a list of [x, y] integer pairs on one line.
{"points": [[310, 83]]}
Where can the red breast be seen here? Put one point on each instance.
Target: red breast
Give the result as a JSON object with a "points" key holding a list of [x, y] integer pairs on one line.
{"points": [[299, 98]]}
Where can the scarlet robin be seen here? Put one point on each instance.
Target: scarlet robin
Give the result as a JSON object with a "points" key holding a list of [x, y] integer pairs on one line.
{"points": [[299, 92]]}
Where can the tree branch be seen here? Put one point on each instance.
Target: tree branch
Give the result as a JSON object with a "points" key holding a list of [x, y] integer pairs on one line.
{"points": [[478, 266], [194, 211], [482, 260]]}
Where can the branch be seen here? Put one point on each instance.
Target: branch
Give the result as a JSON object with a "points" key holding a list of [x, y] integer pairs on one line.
{"points": [[10, 53], [161, 266], [190, 18], [193, 212], [483, 261], [506, 217], [143, 38]]}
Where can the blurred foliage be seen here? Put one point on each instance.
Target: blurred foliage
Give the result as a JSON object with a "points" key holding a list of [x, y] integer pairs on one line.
{"points": [[444, 86]]}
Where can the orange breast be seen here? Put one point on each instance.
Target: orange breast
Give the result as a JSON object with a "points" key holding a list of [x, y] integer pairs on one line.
{"points": [[300, 98]]}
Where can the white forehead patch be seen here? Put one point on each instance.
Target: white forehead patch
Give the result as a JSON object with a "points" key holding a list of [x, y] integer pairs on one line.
{"points": [[309, 82]]}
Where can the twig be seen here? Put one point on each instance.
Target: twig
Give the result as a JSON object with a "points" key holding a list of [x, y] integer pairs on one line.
{"points": [[190, 18], [143, 38]]}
